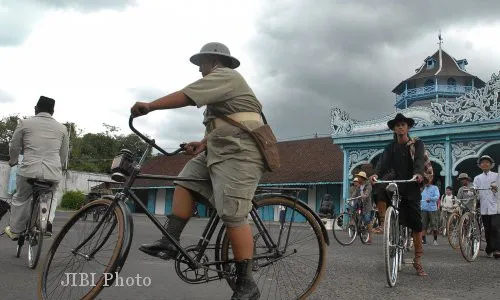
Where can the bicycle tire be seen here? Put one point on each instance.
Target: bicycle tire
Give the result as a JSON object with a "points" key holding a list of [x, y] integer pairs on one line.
{"points": [[19, 247], [470, 236], [391, 252], [443, 222], [110, 267], [452, 228], [317, 236], [364, 234], [35, 239], [349, 229], [34, 236]]}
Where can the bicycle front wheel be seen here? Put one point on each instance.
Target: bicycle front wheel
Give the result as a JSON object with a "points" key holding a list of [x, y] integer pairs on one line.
{"points": [[391, 249], [289, 251], [452, 228], [73, 252], [470, 236], [345, 229]]}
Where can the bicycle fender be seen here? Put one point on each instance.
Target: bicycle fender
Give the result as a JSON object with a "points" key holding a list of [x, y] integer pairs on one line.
{"points": [[128, 232], [303, 205]]}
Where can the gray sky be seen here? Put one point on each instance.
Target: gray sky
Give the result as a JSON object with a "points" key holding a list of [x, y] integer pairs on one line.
{"points": [[96, 58]]}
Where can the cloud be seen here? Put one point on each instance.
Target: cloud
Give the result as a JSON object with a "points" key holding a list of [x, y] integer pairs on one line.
{"points": [[6, 97], [351, 54], [89, 5], [19, 18]]}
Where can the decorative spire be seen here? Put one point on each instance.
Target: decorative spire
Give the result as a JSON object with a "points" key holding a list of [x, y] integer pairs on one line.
{"points": [[440, 39]]}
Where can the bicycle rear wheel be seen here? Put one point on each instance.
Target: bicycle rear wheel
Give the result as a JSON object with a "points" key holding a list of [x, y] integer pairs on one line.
{"points": [[34, 236], [345, 229], [294, 266], [443, 222], [470, 236], [63, 258], [452, 228], [391, 249]]}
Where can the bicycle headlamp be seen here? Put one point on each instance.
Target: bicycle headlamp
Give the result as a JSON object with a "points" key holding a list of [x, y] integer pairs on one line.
{"points": [[391, 187], [122, 165]]}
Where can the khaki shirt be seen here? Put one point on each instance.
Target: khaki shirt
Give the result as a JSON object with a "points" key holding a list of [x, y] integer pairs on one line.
{"points": [[225, 91]]}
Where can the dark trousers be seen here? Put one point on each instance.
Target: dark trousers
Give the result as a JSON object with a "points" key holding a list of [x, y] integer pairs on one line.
{"points": [[491, 225]]}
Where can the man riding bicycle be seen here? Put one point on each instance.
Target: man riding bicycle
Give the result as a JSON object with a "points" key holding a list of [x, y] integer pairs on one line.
{"points": [[227, 155], [397, 156], [44, 144]]}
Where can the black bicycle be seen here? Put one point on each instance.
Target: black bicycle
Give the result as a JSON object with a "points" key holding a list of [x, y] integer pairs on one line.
{"points": [[350, 223], [396, 236], [37, 223], [289, 242]]}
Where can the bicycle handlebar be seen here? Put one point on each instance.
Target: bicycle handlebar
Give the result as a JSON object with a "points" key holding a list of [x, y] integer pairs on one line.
{"points": [[354, 198], [151, 142], [413, 179]]}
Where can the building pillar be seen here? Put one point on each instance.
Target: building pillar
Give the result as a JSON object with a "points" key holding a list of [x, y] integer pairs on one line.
{"points": [[447, 162], [345, 185]]}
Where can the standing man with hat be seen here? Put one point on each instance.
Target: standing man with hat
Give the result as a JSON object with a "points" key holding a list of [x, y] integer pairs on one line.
{"points": [[397, 156], [227, 155], [489, 207], [464, 191], [365, 191], [44, 144]]}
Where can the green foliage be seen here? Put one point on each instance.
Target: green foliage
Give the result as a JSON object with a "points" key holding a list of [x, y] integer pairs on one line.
{"points": [[73, 200], [90, 152], [7, 127]]}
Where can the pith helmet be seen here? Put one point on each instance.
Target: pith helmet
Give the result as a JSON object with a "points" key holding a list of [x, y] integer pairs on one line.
{"points": [[486, 157], [215, 48], [463, 176]]}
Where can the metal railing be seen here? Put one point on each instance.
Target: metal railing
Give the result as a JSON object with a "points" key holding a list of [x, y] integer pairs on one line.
{"points": [[432, 90]]}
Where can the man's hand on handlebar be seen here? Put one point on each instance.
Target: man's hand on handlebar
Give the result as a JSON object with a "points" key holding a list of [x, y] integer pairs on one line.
{"points": [[373, 178], [140, 109], [194, 148], [418, 178]]}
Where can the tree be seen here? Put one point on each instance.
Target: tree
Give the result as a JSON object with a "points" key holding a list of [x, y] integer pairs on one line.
{"points": [[7, 126]]}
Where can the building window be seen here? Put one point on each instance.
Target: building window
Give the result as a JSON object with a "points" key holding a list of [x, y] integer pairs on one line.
{"points": [[430, 64], [452, 81], [429, 82]]}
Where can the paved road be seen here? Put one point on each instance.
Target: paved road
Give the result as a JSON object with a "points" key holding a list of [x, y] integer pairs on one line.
{"points": [[353, 272]]}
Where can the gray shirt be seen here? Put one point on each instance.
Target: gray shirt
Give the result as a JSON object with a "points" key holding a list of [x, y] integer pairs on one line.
{"points": [[44, 144]]}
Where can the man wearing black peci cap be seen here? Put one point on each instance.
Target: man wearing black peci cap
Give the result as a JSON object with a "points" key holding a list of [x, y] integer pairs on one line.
{"points": [[397, 156], [44, 144]]}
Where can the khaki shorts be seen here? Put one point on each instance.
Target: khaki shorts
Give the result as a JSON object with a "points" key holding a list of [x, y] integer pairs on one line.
{"points": [[230, 189], [430, 219]]}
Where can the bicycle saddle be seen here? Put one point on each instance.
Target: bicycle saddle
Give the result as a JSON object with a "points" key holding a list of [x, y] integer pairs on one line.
{"points": [[40, 182]]}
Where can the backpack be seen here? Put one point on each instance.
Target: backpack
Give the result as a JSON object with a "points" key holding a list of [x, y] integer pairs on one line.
{"points": [[428, 171]]}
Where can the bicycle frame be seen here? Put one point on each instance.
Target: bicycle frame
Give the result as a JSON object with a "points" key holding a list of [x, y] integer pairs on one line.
{"points": [[193, 262]]}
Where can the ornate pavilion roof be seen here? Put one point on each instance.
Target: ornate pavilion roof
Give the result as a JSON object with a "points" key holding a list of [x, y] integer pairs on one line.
{"points": [[446, 66], [476, 106]]}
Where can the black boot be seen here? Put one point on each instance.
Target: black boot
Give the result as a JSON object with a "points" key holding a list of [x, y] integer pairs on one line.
{"points": [[246, 288], [163, 248]]}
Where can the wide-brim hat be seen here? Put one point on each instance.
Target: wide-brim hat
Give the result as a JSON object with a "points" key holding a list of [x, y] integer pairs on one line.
{"points": [[463, 176], [361, 174], [398, 118], [486, 157], [215, 48]]}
